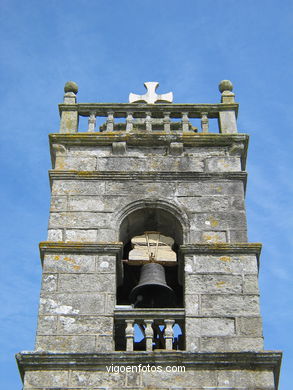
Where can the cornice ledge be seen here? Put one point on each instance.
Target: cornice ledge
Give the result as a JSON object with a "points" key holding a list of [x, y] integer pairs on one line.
{"points": [[191, 360], [220, 248], [79, 247], [143, 138], [164, 175]]}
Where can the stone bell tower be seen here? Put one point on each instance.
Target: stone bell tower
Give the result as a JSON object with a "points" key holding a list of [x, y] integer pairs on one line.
{"points": [[148, 278]]}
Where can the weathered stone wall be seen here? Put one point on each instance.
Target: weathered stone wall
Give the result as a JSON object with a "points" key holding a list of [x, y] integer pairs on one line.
{"points": [[93, 188], [159, 370], [222, 303], [87, 210], [150, 159], [191, 380], [77, 303], [78, 291]]}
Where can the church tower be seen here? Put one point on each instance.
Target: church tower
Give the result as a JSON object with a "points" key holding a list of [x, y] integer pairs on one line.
{"points": [[148, 279]]}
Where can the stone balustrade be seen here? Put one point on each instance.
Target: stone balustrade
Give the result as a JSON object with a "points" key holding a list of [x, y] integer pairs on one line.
{"points": [[154, 327], [136, 117]]}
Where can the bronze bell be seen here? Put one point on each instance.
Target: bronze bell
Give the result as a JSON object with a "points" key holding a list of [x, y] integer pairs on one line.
{"points": [[152, 290]]}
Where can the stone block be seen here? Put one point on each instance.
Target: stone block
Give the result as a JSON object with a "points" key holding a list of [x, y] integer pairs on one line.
{"points": [[72, 303], [176, 148], [49, 282], [87, 282], [213, 236], [69, 263], [191, 303], [208, 188], [42, 379], [246, 379], [140, 187], [227, 119], [218, 221], [205, 151], [66, 343], [223, 164], [211, 327], [106, 263], [79, 220], [154, 164], [96, 379], [78, 187], [198, 378], [237, 203], [250, 284], [84, 325], [104, 343], [89, 235], [238, 236], [217, 264], [55, 235], [205, 203], [197, 236], [214, 284], [249, 326], [119, 148], [192, 343], [147, 152], [110, 303], [231, 344], [58, 203], [78, 163], [89, 203], [107, 235], [229, 305], [47, 325], [89, 151]]}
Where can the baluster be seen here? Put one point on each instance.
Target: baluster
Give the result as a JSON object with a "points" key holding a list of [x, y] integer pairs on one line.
{"points": [[204, 122], [167, 122], [110, 121], [92, 122], [185, 121], [149, 334], [148, 122], [168, 334], [129, 334], [129, 122]]}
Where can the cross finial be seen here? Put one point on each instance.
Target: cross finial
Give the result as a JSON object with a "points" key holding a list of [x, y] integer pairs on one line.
{"points": [[151, 96]]}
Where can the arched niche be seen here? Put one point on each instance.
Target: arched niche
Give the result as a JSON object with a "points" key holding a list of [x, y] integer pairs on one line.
{"points": [[152, 216]]}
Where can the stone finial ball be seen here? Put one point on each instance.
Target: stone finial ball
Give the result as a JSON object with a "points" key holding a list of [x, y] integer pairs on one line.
{"points": [[225, 85], [71, 86]]}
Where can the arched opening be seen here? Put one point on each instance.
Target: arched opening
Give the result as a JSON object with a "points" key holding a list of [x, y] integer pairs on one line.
{"points": [[136, 225]]}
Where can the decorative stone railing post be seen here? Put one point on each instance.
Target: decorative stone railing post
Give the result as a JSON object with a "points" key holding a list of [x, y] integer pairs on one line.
{"points": [[149, 334], [185, 121], [150, 323], [227, 118], [204, 122], [148, 122], [110, 121], [168, 334], [129, 334], [167, 122], [129, 122], [69, 113], [92, 122]]}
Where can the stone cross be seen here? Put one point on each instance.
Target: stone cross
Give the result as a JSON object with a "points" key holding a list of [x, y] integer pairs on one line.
{"points": [[151, 96]]}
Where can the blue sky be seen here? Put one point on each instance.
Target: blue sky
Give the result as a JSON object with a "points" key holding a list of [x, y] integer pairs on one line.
{"points": [[110, 48]]}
